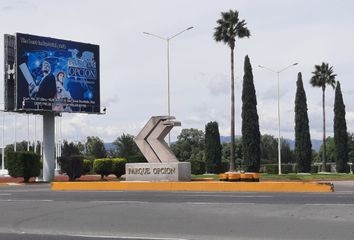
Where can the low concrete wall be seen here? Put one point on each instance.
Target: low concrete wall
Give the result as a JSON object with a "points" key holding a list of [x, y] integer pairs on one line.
{"points": [[196, 186], [158, 172]]}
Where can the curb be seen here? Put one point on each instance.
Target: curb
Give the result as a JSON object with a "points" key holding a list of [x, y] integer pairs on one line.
{"points": [[195, 186]]}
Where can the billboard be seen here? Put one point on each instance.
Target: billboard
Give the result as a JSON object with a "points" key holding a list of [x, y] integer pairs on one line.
{"points": [[56, 75]]}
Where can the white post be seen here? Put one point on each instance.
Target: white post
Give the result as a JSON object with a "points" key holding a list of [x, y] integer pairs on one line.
{"points": [[28, 134], [35, 134], [48, 146], [15, 133], [279, 144], [3, 143]]}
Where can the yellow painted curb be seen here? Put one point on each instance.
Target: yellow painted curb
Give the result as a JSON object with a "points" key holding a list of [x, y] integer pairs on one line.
{"points": [[195, 186]]}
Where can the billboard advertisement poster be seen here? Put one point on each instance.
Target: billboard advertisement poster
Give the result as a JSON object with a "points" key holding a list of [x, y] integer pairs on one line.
{"points": [[57, 75]]}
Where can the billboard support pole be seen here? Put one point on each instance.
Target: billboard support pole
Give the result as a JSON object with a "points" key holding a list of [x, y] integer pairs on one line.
{"points": [[48, 146]]}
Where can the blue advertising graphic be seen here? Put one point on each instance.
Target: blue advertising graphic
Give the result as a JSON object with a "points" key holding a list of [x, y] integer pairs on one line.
{"points": [[57, 75]]}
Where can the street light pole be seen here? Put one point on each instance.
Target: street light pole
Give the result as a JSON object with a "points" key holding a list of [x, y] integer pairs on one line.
{"points": [[168, 68], [278, 90]]}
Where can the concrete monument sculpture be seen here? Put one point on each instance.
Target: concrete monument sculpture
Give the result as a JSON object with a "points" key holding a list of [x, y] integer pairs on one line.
{"points": [[162, 163]]}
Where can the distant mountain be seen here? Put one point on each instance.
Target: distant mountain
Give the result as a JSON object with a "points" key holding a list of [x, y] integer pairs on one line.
{"points": [[108, 146], [316, 144]]}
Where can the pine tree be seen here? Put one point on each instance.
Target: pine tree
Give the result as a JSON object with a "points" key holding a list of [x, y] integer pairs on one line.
{"points": [[303, 145], [250, 126], [340, 132], [212, 148]]}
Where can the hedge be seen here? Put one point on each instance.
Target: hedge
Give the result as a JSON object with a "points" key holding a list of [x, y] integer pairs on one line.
{"points": [[102, 166], [273, 168], [106, 166], [71, 166], [118, 166], [87, 166], [23, 164]]}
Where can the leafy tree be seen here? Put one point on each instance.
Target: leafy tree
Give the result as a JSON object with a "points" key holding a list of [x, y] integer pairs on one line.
{"points": [[269, 149], [238, 148], [189, 143], [228, 28], [340, 132], [303, 145], [125, 147], [95, 147], [330, 149], [351, 146], [287, 155], [70, 149], [212, 148], [250, 126], [323, 76]]}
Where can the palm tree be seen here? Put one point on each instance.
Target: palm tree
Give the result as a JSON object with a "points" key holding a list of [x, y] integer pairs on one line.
{"points": [[322, 76], [228, 28]]}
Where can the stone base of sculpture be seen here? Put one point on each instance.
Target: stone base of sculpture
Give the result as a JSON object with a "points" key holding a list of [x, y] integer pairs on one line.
{"points": [[158, 172]]}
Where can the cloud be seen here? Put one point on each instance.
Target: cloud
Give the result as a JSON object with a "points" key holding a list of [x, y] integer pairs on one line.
{"points": [[219, 85], [109, 101]]}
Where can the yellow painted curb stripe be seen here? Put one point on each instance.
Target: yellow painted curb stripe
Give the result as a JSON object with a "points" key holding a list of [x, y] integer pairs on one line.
{"points": [[196, 186]]}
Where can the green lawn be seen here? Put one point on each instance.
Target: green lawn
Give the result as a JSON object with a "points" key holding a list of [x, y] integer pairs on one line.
{"points": [[291, 176]]}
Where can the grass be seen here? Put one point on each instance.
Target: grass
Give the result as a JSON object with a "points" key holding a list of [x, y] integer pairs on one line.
{"points": [[312, 177], [291, 177]]}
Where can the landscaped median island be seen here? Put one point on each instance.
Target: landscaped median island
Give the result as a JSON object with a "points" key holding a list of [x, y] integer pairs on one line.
{"points": [[210, 182]]}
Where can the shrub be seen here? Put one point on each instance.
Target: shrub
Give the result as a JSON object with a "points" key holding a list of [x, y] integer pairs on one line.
{"points": [[197, 167], [136, 159], [102, 166], [87, 166], [71, 166], [24, 164], [287, 168], [118, 166], [225, 166], [270, 168], [314, 169], [273, 168]]}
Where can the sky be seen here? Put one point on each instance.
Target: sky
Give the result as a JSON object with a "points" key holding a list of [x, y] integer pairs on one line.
{"points": [[134, 65]]}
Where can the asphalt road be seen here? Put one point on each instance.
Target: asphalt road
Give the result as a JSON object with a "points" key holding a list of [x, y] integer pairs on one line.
{"points": [[34, 212]]}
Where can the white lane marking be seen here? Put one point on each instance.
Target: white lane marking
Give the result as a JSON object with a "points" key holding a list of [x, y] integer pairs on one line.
{"points": [[226, 196], [97, 236], [126, 237], [25, 200], [113, 201], [331, 204], [5, 194], [216, 203]]}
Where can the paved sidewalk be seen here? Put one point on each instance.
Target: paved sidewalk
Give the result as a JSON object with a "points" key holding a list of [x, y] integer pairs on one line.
{"points": [[343, 186]]}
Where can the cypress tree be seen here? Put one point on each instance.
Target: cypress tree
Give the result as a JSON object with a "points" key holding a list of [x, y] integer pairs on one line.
{"points": [[250, 126], [340, 132], [212, 148], [303, 145]]}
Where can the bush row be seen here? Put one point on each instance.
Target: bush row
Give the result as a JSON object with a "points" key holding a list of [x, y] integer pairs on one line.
{"points": [[106, 166], [75, 166], [198, 167]]}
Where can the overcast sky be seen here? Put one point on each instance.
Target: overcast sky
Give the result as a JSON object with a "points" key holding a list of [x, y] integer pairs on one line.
{"points": [[134, 71]]}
